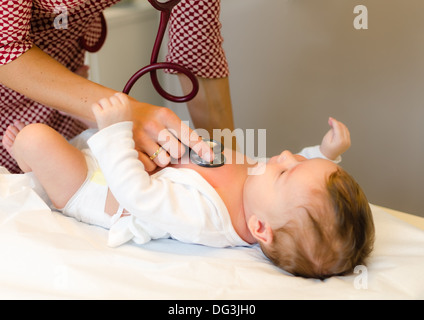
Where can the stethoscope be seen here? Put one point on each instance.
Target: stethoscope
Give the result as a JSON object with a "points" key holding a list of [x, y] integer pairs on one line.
{"points": [[165, 9], [219, 159]]}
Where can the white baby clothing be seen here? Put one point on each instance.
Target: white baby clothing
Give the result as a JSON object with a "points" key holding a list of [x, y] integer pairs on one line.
{"points": [[173, 203], [88, 203]]}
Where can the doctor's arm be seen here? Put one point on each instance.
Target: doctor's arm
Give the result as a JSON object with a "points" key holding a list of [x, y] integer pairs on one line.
{"points": [[41, 78]]}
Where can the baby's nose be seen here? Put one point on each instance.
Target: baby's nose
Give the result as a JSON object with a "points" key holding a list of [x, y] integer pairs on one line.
{"points": [[289, 159], [286, 155]]}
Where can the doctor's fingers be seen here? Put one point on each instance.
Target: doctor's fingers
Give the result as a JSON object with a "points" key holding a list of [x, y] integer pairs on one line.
{"points": [[149, 165], [155, 154], [156, 135], [188, 137], [171, 144]]}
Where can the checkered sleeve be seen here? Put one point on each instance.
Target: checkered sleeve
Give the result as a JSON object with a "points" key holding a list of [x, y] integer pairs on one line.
{"points": [[15, 17], [195, 40]]}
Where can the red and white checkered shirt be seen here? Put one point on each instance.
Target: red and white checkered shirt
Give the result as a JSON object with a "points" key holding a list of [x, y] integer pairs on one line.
{"points": [[195, 42]]}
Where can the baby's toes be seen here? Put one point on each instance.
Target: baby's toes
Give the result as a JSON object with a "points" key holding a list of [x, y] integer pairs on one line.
{"points": [[9, 137], [7, 142], [19, 125], [11, 132]]}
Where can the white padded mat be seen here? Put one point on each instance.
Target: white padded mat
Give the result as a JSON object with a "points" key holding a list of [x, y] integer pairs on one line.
{"points": [[45, 255]]}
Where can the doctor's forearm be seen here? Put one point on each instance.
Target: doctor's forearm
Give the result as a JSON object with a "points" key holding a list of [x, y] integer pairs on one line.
{"points": [[41, 78]]}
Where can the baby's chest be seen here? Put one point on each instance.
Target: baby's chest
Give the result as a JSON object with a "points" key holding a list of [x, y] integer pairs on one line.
{"points": [[218, 177]]}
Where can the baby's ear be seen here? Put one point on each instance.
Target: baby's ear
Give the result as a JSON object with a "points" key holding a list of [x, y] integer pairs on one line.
{"points": [[260, 230]]}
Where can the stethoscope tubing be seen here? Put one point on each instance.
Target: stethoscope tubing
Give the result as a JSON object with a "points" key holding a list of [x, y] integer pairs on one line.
{"points": [[165, 8], [100, 42], [151, 68]]}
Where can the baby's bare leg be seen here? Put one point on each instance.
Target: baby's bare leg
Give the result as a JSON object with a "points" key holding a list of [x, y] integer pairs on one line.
{"points": [[60, 167]]}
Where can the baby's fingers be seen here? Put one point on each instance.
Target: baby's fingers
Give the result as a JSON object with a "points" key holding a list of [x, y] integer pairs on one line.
{"points": [[341, 133], [334, 124], [97, 110], [339, 128]]}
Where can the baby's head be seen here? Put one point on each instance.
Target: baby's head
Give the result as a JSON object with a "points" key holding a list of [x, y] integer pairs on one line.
{"points": [[310, 217]]}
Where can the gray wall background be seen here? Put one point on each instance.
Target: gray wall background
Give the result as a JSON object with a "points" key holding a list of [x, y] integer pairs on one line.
{"points": [[294, 63]]}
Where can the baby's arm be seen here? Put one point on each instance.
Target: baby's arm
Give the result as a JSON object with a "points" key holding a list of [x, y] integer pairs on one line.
{"points": [[114, 148], [336, 141], [169, 202]]}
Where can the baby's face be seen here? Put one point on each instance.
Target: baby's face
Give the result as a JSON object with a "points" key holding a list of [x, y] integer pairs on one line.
{"points": [[289, 184]]}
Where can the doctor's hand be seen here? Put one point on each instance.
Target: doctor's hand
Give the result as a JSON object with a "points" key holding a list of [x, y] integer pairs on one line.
{"points": [[336, 141], [158, 132], [160, 135]]}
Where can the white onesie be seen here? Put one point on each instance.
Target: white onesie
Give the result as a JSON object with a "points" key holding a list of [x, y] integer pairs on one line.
{"points": [[176, 203], [173, 203]]}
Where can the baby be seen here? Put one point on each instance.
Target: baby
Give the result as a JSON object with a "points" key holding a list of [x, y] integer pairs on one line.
{"points": [[309, 216]]}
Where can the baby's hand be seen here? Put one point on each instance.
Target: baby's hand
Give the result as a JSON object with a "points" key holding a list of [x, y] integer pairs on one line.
{"points": [[336, 140], [112, 110]]}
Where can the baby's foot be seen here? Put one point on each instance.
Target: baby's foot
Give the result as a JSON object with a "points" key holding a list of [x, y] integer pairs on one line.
{"points": [[10, 134]]}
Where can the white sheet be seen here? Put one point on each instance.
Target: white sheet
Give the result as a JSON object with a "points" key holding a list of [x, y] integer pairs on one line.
{"points": [[45, 255]]}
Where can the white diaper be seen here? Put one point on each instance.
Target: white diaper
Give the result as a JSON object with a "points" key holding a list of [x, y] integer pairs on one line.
{"points": [[88, 203]]}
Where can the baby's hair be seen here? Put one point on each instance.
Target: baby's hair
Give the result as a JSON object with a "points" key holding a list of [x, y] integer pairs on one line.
{"points": [[334, 243]]}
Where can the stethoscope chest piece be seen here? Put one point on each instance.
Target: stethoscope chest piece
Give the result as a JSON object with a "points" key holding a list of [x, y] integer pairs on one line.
{"points": [[217, 149]]}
